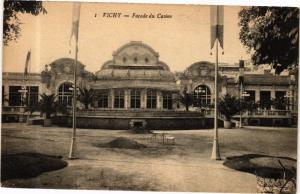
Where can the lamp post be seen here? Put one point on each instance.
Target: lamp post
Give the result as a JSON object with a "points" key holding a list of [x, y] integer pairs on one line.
{"points": [[215, 151], [23, 93], [241, 86], [244, 94], [217, 33]]}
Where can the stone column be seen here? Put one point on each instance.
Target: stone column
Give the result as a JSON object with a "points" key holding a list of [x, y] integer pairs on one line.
{"points": [[111, 99], [273, 96], [143, 99], [159, 100], [6, 92], [257, 95], [127, 99], [223, 90], [95, 102], [174, 103], [291, 97]]}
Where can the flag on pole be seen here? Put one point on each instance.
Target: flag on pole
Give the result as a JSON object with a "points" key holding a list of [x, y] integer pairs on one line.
{"points": [[75, 21], [26, 70], [216, 24]]}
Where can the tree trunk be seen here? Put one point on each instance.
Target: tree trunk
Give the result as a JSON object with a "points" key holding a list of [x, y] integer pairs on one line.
{"points": [[187, 108]]}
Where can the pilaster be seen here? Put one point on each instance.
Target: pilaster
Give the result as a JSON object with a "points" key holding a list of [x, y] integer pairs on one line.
{"points": [[111, 98], [159, 100], [257, 95], [143, 99]]}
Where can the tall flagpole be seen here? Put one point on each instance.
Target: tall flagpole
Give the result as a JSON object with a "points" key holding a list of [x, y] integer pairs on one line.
{"points": [[72, 154], [215, 155], [75, 31], [28, 92], [25, 102]]}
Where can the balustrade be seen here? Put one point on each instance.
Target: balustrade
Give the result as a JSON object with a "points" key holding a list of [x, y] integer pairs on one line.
{"points": [[206, 112]]}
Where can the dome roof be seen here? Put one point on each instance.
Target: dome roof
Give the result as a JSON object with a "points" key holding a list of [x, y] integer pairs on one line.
{"points": [[201, 64], [135, 60], [134, 45], [63, 61], [203, 68], [66, 65]]}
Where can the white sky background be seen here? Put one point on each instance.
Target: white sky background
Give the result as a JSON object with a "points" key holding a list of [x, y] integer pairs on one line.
{"points": [[180, 41]]}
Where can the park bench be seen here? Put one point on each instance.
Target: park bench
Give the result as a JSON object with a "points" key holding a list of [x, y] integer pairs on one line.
{"points": [[170, 139], [155, 136]]}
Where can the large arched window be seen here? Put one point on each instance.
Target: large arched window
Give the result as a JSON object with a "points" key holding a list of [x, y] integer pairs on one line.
{"points": [[65, 93], [202, 96]]}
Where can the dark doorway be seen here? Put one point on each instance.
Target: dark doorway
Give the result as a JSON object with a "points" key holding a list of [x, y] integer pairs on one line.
{"points": [[265, 99]]}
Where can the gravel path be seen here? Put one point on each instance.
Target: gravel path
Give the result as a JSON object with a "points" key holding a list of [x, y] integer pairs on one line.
{"points": [[185, 166]]}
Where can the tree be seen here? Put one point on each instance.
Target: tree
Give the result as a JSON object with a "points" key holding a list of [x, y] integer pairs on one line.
{"points": [[28, 107], [279, 103], [11, 22], [186, 99], [229, 106], [86, 96], [249, 105], [49, 105], [271, 34]]}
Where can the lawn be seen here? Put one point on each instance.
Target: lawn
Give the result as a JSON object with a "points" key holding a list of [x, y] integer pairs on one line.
{"points": [[152, 165]]}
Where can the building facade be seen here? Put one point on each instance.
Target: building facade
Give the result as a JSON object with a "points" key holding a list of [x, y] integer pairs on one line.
{"points": [[136, 85]]}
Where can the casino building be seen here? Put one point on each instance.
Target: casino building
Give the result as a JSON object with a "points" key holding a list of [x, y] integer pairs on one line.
{"points": [[135, 88]]}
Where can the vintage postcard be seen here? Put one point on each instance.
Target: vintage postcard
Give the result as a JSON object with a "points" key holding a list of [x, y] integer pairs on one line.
{"points": [[149, 97]]}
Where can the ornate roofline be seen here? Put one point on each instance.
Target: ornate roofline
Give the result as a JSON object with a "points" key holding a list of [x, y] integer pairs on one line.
{"points": [[106, 63], [66, 59], [138, 43], [200, 62], [165, 66]]}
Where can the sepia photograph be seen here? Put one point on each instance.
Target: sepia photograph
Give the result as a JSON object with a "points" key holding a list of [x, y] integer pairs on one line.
{"points": [[149, 97]]}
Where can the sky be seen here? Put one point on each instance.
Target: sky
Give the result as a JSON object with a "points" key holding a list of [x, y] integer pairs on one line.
{"points": [[180, 41]]}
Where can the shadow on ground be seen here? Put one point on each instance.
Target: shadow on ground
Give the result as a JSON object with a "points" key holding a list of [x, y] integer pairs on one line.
{"points": [[28, 165], [122, 143], [262, 165]]}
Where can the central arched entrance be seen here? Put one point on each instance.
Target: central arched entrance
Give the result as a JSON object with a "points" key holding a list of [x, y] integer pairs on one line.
{"points": [[202, 96]]}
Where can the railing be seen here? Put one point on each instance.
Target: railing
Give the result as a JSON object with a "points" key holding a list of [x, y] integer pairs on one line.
{"points": [[259, 113], [269, 113], [205, 112], [18, 110], [139, 113], [13, 109]]}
